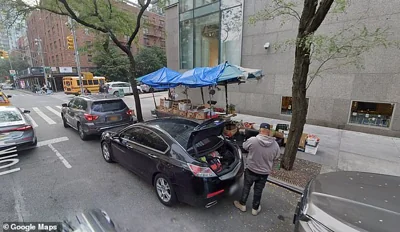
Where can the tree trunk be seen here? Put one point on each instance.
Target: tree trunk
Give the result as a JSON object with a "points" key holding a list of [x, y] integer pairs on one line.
{"points": [[132, 80], [299, 101]]}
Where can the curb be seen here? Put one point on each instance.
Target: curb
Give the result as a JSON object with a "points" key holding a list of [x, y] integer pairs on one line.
{"points": [[283, 184]]}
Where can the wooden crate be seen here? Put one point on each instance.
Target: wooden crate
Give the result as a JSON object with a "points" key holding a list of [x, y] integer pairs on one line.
{"points": [[182, 113], [191, 114]]}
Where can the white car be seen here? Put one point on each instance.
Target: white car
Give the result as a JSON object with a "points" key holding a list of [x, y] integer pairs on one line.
{"points": [[115, 86]]}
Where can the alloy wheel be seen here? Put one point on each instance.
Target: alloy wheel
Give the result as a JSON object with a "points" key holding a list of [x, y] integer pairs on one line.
{"points": [[106, 152], [163, 189]]}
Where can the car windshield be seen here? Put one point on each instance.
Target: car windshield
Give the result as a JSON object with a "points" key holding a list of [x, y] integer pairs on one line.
{"points": [[10, 116], [109, 105]]}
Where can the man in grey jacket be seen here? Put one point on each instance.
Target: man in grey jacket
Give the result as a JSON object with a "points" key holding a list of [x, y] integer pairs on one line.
{"points": [[263, 150]]}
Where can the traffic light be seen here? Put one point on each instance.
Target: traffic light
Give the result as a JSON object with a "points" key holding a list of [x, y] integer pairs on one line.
{"points": [[70, 42], [2, 54], [5, 55]]}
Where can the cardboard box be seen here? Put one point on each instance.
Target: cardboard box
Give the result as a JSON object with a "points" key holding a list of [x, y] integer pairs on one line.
{"points": [[162, 102], [182, 113], [303, 140], [175, 111], [191, 114], [201, 115]]}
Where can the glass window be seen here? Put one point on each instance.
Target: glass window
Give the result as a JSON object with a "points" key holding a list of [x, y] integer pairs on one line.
{"points": [[80, 104], [198, 3], [90, 82], [126, 85], [185, 5], [230, 3], [84, 82], [207, 41], [286, 107], [10, 116], [231, 35], [371, 113], [95, 82], [186, 44], [71, 104], [128, 134], [78, 82], [108, 106], [210, 8]]}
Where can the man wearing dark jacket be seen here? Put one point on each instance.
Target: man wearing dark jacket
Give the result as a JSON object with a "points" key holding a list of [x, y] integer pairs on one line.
{"points": [[263, 150]]}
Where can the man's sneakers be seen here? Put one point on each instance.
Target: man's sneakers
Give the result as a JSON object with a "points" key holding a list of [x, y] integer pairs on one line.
{"points": [[240, 206], [255, 212]]}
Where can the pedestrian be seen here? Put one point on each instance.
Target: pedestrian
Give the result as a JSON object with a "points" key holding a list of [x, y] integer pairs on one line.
{"points": [[263, 150], [86, 91], [101, 88]]}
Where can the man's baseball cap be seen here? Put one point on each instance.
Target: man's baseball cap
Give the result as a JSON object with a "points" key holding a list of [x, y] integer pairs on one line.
{"points": [[265, 126]]}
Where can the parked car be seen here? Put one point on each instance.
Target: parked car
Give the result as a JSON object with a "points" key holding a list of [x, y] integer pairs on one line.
{"points": [[7, 87], [16, 129], [349, 201], [93, 114], [148, 89], [114, 87], [4, 99], [184, 161]]}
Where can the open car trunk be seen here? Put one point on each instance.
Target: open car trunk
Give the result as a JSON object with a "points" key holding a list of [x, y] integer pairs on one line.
{"points": [[208, 145]]}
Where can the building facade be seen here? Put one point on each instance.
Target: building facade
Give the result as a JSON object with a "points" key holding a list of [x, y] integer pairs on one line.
{"points": [[209, 32]]}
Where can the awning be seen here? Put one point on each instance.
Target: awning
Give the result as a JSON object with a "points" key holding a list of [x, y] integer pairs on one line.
{"points": [[161, 78], [250, 73], [230, 73]]}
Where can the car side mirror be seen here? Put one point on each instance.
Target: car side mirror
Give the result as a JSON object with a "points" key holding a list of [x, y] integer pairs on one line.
{"points": [[64, 105], [27, 111], [9, 96]]}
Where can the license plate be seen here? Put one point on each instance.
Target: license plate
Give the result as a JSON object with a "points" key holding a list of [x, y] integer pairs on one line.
{"points": [[113, 118]]}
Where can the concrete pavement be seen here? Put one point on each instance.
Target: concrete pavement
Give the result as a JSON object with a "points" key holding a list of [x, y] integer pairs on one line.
{"points": [[347, 150]]}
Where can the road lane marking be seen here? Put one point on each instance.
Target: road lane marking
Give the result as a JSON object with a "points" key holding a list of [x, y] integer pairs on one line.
{"points": [[51, 141], [63, 160], [59, 107], [45, 117], [54, 111], [10, 156], [34, 124], [10, 171]]}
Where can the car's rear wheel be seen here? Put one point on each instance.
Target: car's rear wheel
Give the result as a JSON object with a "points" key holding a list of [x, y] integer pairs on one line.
{"points": [[64, 121], [116, 93], [164, 190], [107, 154], [81, 132]]}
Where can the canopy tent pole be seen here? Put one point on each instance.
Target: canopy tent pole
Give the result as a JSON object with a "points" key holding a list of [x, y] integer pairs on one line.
{"points": [[154, 99], [226, 97], [202, 95]]}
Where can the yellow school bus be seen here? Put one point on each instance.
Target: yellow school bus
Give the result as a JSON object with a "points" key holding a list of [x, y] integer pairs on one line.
{"points": [[72, 85]]}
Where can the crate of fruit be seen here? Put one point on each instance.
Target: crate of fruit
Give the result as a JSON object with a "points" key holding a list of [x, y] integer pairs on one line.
{"points": [[182, 113], [201, 115]]}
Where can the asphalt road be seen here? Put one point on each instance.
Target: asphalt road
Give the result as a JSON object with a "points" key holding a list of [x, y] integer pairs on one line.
{"points": [[65, 175]]}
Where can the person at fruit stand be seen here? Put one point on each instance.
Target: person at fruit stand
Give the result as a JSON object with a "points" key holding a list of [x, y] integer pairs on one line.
{"points": [[263, 150]]}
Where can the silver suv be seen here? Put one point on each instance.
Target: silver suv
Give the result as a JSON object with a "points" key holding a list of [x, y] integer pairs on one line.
{"points": [[93, 114]]}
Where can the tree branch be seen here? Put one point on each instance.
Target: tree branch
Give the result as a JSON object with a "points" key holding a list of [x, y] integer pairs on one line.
{"points": [[319, 16], [139, 17]]}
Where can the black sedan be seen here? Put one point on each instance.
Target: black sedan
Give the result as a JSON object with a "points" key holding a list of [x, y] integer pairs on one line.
{"points": [[184, 161], [16, 130]]}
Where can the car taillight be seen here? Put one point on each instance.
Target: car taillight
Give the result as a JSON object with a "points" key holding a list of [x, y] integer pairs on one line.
{"points": [[24, 128], [201, 171], [90, 117], [130, 112]]}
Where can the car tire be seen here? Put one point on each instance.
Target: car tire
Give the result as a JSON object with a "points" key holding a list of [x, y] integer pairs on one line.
{"points": [[64, 121], [106, 152], [164, 190], [116, 93], [82, 133]]}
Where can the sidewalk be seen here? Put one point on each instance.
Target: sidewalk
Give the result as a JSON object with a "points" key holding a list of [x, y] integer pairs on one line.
{"points": [[347, 150]]}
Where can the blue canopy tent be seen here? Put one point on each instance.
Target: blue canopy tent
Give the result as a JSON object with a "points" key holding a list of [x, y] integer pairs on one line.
{"points": [[199, 77], [160, 79]]}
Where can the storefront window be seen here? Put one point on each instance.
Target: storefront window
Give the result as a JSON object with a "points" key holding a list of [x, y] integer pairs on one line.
{"points": [[207, 40], [186, 44], [231, 33], [185, 5], [286, 107], [371, 113], [198, 3]]}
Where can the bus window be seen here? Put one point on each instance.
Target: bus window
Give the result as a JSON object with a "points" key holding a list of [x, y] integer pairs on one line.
{"points": [[90, 82], [78, 82], [85, 82], [95, 82], [67, 83]]}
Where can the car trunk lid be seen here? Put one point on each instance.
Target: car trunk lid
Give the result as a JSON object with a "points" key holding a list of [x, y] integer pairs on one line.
{"points": [[209, 128]]}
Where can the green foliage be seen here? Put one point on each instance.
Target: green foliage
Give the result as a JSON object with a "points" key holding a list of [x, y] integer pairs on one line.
{"points": [[150, 59], [17, 65]]}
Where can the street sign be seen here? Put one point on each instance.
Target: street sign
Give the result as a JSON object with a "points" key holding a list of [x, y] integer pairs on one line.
{"points": [[12, 72]]}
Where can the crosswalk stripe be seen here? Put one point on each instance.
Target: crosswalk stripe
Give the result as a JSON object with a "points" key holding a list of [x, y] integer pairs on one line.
{"points": [[45, 117], [34, 124], [59, 107], [53, 111]]}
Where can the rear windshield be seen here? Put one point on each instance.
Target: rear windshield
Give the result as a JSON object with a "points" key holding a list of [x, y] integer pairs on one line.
{"points": [[109, 105], [10, 116]]}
